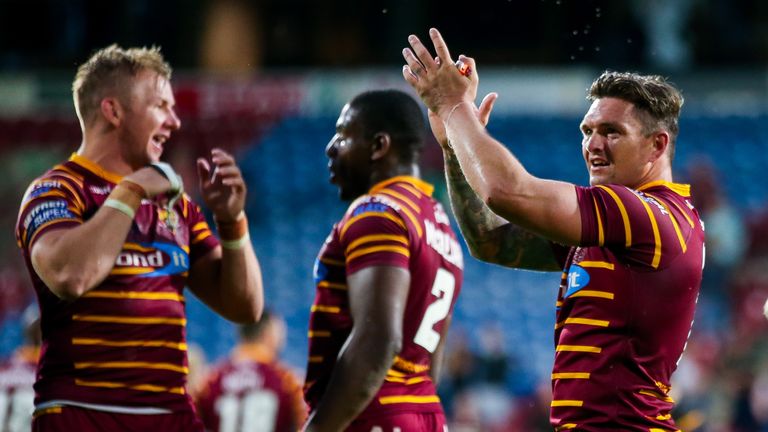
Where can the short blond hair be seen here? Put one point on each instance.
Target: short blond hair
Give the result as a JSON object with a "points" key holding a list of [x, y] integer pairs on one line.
{"points": [[108, 71]]}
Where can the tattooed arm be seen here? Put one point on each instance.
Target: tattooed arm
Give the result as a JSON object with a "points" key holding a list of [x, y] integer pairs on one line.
{"points": [[490, 237]]}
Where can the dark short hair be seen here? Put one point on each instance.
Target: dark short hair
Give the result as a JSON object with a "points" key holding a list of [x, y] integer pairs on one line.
{"points": [[657, 100], [396, 113], [251, 332], [108, 70]]}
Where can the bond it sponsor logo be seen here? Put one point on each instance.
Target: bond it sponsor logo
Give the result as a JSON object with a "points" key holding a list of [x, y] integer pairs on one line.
{"points": [[151, 260], [578, 278]]}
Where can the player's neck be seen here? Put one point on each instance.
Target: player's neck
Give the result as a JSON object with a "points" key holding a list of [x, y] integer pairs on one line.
{"points": [[661, 171], [104, 150], [395, 171], [253, 350]]}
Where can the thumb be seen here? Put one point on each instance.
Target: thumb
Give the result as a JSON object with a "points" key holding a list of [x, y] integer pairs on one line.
{"points": [[486, 106]]}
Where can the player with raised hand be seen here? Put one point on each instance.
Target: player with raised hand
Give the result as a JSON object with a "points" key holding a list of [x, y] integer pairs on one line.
{"points": [[630, 246]]}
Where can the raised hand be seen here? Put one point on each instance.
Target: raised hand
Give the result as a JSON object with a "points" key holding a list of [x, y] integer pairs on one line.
{"points": [[436, 80], [222, 185]]}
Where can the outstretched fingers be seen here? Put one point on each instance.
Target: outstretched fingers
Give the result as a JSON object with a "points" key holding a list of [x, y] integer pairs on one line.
{"points": [[441, 49], [413, 67], [422, 53]]}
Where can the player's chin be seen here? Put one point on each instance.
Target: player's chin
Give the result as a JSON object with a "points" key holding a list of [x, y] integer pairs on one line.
{"points": [[347, 193], [597, 180], [155, 148], [154, 154]]}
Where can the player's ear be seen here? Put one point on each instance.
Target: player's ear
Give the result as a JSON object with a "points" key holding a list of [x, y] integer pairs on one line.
{"points": [[382, 142], [660, 144], [111, 110]]}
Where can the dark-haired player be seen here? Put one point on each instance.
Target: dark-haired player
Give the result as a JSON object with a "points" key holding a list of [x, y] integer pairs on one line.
{"points": [[110, 243], [632, 274], [387, 278]]}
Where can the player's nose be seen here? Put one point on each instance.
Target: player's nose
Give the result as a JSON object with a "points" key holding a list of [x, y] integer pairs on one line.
{"points": [[331, 149]]}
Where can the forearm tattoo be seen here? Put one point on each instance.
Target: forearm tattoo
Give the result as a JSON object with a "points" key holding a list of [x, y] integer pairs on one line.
{"points": [[475, 219], [489, 236]]}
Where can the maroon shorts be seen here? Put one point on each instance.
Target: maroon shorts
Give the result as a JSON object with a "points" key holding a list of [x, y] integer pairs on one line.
{"points": [[406, 422], [70, 418]]}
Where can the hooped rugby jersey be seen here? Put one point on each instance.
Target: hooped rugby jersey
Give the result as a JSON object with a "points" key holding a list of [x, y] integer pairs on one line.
{"points": [[397, 223], [626, 307], [122, 345], [251, 391]]}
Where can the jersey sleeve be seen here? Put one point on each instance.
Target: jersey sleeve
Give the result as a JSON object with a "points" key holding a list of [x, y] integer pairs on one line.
{"points": [[294, 396], [374, 234], [638, 227], [53, 201], [201, 238]]}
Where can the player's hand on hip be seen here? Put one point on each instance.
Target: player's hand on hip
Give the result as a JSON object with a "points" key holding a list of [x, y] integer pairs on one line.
{"points": [[222, 185], [437, 80]]}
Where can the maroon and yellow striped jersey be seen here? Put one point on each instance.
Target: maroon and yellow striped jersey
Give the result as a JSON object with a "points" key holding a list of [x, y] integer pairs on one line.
{"points": [[625, 308], [397, 223], [251, 391], [121, 346]]}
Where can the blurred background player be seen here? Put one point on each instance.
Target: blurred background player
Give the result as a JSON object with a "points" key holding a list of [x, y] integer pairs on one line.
{"points": [[17, 375], [632, 274], [111, 242], [252, 391], [387, 278]]}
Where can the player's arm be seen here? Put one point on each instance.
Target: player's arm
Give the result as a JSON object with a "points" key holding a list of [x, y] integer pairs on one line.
{"points": [[377, 297], [228, 278], [489, 237], [73, 260], [547, 208], [438, 356]]}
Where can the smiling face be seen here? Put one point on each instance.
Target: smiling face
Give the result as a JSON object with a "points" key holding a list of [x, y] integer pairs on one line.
{"points": [[149, 119], [615, 146], [349, 155]]}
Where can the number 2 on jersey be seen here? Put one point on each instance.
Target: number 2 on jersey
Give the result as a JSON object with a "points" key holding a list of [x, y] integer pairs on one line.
{"points": [[442, 288]]}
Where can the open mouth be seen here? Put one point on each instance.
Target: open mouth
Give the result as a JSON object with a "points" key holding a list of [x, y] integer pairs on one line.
{"points": [[598, 163], [159, 140]]}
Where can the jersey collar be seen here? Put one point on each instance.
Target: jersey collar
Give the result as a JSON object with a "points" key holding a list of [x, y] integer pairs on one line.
{"points": [[253, 352], [418, 183], [95, 168], [678, 188]]}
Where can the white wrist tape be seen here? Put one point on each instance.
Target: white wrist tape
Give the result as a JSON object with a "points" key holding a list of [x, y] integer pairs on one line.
{"points": [[120, 206]]}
